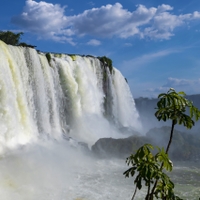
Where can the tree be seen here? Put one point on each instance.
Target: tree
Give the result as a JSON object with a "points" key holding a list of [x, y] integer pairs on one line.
{"points": [[173, 106], [23, 44], [10, 38], [13, 39], [150, 168]]}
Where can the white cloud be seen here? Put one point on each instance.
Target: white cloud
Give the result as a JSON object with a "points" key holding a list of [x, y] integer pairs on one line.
{"points": [[196, 15], [112, 20], [164, 23], [164, 8], [94, 42], [41, 17], [49, 21], [44, 19]]}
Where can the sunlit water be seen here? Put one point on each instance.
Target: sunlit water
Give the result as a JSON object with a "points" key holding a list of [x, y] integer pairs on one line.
{"points": [[56, 171], [186, 176], [66, 97], [77, 98]]}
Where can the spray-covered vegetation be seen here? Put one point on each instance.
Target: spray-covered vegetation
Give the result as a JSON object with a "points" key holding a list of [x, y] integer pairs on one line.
{"points": [[148, 168], [48, 56], [107, 62], [13, 39], [58, 55], [73, 56]]}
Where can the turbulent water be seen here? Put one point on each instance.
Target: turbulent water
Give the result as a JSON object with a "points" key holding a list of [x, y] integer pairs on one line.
{"points": [[74, 96], [45, 100], [48, 106], [54, 171]]}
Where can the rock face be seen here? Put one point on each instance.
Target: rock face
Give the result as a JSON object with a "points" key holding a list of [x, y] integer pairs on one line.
{"points": [[120, 148], [184, 146]]}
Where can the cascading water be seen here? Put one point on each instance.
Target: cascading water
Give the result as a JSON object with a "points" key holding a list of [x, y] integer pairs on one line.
{"points": [[42, 100], [65, 95], [45, 100]]}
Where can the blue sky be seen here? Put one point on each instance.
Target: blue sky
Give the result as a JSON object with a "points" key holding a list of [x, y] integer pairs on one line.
{"points": [[155, 44]]}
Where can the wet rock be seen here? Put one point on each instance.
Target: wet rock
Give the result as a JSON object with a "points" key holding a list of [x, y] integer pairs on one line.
{"points": [[120, 148]]}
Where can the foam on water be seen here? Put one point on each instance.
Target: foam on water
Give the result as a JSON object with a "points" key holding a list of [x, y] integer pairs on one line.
{"points": [[53, 170], [56, 170]]}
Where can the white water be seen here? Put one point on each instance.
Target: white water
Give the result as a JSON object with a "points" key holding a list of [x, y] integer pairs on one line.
{"points": [[39, 99], [55, 172], [40, 104]]}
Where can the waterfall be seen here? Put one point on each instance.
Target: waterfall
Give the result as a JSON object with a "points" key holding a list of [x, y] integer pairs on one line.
{"points": [[71, 96]]}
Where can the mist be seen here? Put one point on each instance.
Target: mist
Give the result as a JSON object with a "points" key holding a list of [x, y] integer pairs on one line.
{"points": [[52, 114], [58, 170]]}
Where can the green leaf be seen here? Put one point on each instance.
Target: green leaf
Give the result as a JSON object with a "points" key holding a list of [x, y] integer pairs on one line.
{"points": [[149, 167]]}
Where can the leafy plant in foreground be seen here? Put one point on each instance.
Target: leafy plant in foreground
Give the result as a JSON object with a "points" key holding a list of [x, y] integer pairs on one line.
{"points": [[150, 168]]}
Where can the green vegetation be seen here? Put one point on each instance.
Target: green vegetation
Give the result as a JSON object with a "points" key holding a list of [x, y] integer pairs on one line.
{"points": [[23, 44], [107, 62], [58, 55], [10, 38], [73, 56], [172, 106], [90, 56], [48, 56], [150, 168], [13, 39]]}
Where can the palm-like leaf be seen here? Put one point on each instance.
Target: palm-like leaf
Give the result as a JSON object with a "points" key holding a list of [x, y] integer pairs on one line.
{"points": [[173, 106], [148, 167]]}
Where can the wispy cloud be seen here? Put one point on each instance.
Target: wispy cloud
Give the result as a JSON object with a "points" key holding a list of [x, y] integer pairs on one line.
{"points": [[146, 58], [128, 44], [94, 42], [91, 3], [49, 21]]}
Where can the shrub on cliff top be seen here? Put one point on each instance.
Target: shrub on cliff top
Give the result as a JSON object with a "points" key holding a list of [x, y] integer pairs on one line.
{"points": [[107, 61]]}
